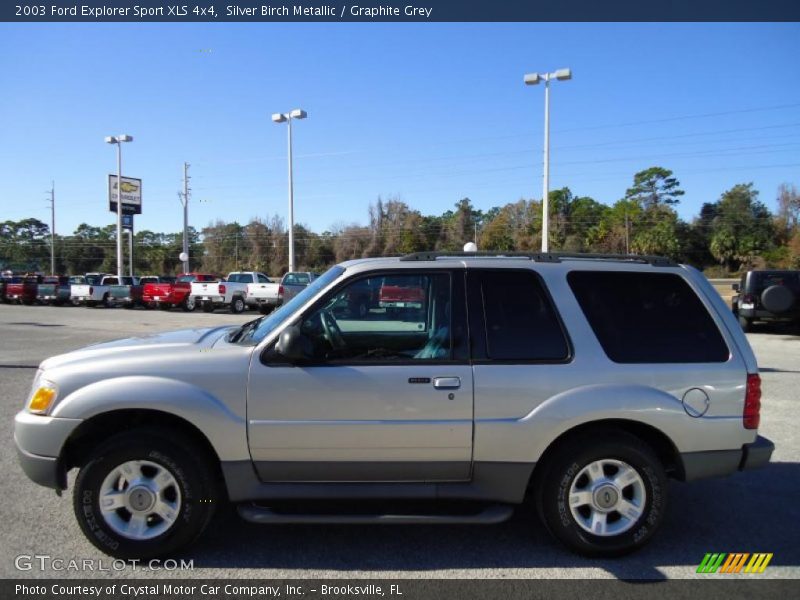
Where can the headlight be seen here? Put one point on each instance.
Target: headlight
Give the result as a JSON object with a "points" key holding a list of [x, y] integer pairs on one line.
{"points": [[42, 397]]}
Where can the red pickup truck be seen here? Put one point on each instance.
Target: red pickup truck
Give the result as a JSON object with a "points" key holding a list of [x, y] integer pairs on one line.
{"points": [[167, 295], [23, 289], [401, 294]]}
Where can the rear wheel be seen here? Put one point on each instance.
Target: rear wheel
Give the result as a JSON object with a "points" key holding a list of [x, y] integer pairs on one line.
{"points": [[144, 493], [189, 304], [108, 301], [602, 494], [746, 324], [237, 305]]}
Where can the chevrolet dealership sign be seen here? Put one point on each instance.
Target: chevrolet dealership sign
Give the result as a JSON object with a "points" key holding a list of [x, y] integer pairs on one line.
{"points": [[131, 195]]}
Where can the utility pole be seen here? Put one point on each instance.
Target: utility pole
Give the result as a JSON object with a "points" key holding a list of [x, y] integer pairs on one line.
{"points": [[185, 202], [627, 234], [52, 227]]}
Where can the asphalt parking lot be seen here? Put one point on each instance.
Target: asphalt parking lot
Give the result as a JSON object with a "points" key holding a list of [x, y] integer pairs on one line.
{"points": [[747, 512]]}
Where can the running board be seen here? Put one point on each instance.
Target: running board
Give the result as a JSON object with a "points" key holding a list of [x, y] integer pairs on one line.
{"points": [[496, 513]]}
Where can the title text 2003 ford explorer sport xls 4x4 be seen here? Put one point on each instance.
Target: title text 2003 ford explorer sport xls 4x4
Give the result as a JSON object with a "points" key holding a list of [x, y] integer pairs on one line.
{"points": [[579, 382]]}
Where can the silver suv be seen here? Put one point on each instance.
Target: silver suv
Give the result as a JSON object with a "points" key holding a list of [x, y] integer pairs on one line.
{"points": [[578, 383]]}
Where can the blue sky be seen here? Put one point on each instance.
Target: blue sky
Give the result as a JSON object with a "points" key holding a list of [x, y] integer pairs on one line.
{"points": [[428, 113]]}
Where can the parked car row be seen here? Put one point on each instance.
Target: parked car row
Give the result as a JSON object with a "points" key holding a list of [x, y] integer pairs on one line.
{"points": [[237, 292]]}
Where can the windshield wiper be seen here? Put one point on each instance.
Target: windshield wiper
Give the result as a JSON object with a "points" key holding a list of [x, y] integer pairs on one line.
{"points": [[248, 327]]}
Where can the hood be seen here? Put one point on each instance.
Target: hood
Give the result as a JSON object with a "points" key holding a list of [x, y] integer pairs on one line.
{"points": [[149, 345]]}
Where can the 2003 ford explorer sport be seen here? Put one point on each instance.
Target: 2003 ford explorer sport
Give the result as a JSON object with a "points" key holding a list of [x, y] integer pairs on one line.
{"points": [[577, 382]]}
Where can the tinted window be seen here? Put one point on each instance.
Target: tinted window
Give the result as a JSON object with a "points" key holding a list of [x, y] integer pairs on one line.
{"points": [[764, 279], [262, 278], [521, 323], [647, 317], [296, 279]]}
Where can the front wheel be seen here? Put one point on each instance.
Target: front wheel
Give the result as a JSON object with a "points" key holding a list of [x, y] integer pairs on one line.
{"points": [[143, 494], [603, 494]]}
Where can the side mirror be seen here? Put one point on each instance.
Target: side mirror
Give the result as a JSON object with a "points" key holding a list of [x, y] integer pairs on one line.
{"points": [[735, 287], [293, 345]]}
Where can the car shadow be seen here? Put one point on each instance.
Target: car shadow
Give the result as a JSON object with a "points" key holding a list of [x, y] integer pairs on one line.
{"points": [[746, 512]]}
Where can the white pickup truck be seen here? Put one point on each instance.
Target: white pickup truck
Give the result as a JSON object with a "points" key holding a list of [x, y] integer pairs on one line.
{"points": [[240, 290], [94, 291]]}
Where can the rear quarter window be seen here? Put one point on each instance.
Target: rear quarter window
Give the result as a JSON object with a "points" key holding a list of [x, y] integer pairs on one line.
{"points": [[521, 323], [648, 317]]}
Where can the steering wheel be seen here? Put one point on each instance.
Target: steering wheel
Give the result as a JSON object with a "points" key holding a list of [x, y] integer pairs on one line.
{"points": [[332, 332]]}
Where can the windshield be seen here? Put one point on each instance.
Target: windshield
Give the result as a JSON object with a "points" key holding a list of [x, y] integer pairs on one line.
{"points": [[268, 323], [185, 278]]}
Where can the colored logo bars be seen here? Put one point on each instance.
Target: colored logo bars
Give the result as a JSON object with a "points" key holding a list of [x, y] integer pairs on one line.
{"points": [[735, 562]]}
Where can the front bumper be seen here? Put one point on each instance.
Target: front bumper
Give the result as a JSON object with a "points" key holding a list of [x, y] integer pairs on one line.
{"points": [[39, 441], [700, 465]]}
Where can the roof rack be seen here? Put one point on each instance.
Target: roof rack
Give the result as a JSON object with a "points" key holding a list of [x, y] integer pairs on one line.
{"points": [[552, 257]]}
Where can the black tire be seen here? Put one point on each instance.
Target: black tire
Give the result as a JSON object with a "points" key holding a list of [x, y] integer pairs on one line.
{"points": [[108, 302], [237, 305], [563, 468], [208, 306], [746, 324], [184, 461], [189, 304]]}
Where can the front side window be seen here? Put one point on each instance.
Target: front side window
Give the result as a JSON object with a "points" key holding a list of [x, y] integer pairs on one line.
{"points": [[386, 318]]}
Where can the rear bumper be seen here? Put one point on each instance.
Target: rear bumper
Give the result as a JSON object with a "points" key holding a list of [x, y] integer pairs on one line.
{"points": [[701, 465], [757, 454], [764, 315]]}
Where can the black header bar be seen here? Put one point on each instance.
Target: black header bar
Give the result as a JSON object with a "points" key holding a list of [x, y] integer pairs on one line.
{"points": [[243, 11]]}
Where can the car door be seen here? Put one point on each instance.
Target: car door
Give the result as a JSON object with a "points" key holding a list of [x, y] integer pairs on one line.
{"points": [[383, 396]]}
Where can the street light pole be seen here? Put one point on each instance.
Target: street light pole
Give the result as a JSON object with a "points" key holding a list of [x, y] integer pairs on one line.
{"points": [[534, 79], [119, 212], [186, 216], [291, 200], [118, 140], [52, 228], [287, 118]]}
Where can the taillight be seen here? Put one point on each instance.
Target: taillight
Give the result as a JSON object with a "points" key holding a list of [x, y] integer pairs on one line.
{"points": [[748, 299], [280, 291], [221, 289], [91, 290], [752, 402]]}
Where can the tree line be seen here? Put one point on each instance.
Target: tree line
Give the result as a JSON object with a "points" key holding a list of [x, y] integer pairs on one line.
{"points": [[735, 232]]}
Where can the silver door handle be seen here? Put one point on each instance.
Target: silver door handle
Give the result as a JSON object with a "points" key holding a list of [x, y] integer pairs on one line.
{"points": [[446, 383]]}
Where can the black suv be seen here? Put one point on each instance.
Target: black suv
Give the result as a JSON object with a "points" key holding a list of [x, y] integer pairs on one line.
{"points": [[767, 296]]}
